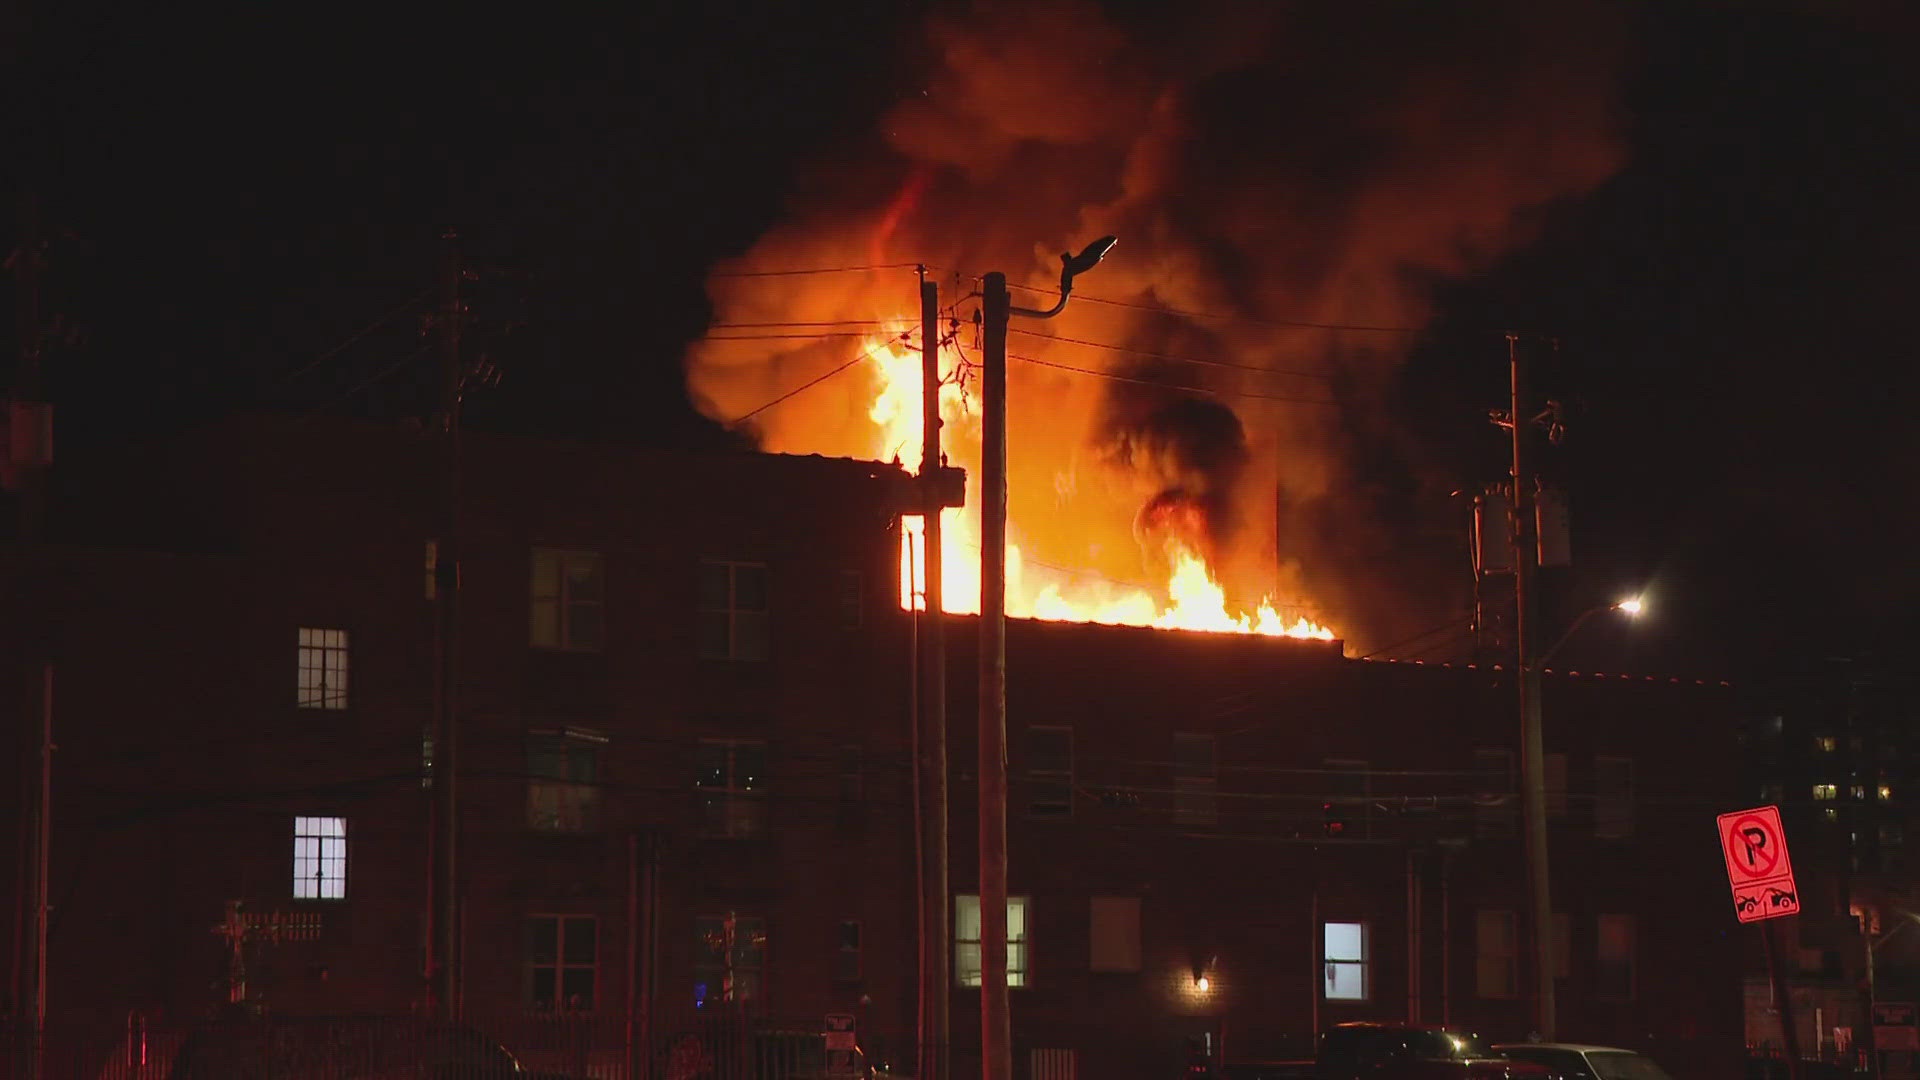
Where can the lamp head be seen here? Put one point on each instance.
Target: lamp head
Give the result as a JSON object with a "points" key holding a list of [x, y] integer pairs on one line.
{"points": [[1632, 605], [1072, 266]]}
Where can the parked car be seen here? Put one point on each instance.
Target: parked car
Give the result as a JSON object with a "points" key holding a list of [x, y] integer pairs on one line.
{"points": [[1368, 1051], [331, 1047], [1574, 1061]]}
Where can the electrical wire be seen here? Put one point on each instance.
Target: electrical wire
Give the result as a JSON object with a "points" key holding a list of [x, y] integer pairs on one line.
{"points": [[368, 381], [811, 383], [1173, 358], [818, 270], [351, 340], [1284, 324], [1171, 386]]}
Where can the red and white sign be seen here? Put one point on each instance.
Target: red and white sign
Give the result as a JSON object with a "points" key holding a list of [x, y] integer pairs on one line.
{"points": [[1755, 847]]}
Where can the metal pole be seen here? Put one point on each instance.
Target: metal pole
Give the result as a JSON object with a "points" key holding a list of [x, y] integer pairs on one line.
{"points": [[1533, 758], [446, 675], [1783, 1001], [933, 699], [1872, 1040], [43, 848], [996, 1053]]}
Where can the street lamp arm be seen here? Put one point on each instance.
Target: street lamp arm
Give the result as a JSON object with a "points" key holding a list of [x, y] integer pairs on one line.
{"points": [[1571, 630], [1071, 266]]}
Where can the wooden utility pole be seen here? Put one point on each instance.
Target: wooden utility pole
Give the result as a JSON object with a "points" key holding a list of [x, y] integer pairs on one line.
{"points": [[996, 1053], [445, 934], [936, 1036]]}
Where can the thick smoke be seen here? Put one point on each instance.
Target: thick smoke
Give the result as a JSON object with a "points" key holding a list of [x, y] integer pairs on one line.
{"points": [[1267, 165]]}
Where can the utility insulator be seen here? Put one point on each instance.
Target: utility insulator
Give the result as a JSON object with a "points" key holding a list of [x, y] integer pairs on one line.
{"points": [[1553, 527]]}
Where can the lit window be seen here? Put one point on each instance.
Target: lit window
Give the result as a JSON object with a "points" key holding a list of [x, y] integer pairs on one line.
{"points": [[1345, 946], [730, 959], [733, 610], [1832, 814], [1115, 933], [846, 957], [568, 601], [731, 778], [563, 777], [966, 940], [1497, 952], [1860, 791], [1613, 971], [1050, 770], [1826, 743], [323, 669], [1613, 809], [1886, 792], [1195, 776], [319, 858], [1825, 792], [562, 962]]}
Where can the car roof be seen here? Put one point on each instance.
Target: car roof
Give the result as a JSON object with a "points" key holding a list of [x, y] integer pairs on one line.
{"points": [[1583, 1048]]}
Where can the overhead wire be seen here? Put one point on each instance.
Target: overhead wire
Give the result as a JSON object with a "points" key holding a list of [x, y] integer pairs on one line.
{"points": [[1285, 324], [817, 270], [811, 383], [351, 340], [1253, 368], [1171, 386]]}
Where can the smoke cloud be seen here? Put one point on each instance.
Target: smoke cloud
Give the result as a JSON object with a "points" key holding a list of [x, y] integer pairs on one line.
{"points": [[1280, 173]]}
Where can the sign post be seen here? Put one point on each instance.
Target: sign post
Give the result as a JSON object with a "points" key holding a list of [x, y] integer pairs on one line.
{"points": [[841, 1044], [1761, 875]]}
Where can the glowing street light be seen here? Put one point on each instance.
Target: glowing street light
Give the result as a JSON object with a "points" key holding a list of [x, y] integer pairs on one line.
{"points": [[1632, 605]]}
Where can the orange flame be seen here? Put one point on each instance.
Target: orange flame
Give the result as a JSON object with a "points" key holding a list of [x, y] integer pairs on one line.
{"points": [[1191, 600]]}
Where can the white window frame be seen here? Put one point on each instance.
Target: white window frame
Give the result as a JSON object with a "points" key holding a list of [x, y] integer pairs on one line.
{"points": [[1496, 967], [550, 611], [319, 844], [1328, 963], [1019, 954], [735, 614], [559, 966], [323, 667], [742, 799], [1049, 791], [753, 992], [1195, 794]]}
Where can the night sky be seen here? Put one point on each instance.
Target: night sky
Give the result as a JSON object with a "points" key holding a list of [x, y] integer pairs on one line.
{"points": [[247, 204]]}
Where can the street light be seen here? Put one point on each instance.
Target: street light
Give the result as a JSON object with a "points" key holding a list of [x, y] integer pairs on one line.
{"points": [[996, 1051], [1632, 606]]}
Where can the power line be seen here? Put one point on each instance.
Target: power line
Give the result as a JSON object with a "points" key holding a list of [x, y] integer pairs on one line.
{"points": [[368, 381], [811, 383], [815, 336], [347, 344], [1169, 356], [1170, 386], [817, 270], [1285, 324]]}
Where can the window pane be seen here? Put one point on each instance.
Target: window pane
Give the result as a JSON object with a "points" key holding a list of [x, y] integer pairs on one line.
{"points": [[710, 765], [716, 591], [584, 579], [749, 766], [543, 939], [546, 575], [544, 627], [849, 934], [583, 764], [576, 988], [1016, 963], [966, 918], [580, 934], [546, 759], [541, 991], [1345, 941], [750, 630], [1016, 918], [715, 632], [585, 628], [749, 587], [966, 963], [1346, 982]]}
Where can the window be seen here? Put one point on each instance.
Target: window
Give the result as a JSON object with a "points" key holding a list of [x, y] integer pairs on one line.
{"points": [[1050, 770], [1832, 814], [563, 777], [569, 595], [1613, 972], [730, 959], [1496, 954], [1885, 792], [1195, 776], [1826, 744], [323, 669], [426, 758], [1860, 791], [852, 599], [1825, 792], [1613, 808], [731, 776], [319, 858], [1496, 806], [846, 957], [966, 940], [1345, 952], [733, 610], [562, 967], [1351, 797], [1115, 933], [1556, 786]]}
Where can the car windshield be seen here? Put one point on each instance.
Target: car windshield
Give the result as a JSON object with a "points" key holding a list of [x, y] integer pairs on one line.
{"points": [[1625, 1065], [1446, 1045]]}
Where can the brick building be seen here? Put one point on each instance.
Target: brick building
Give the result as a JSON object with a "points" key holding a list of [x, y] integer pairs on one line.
{"points": [[685, 705]]}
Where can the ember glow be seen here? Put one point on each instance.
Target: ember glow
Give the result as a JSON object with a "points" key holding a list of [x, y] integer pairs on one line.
{"points": [[1191, 599]]}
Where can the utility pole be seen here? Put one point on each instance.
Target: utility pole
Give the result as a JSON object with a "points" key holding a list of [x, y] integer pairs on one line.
{"points": [[937, 1035], [1533, 757], [996, 1034], [444, 935]]}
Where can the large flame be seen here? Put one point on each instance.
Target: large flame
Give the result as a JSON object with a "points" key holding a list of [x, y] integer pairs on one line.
{"points": [[1191, 600]]}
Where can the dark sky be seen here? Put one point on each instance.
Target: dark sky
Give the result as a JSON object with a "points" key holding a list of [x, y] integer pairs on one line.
{"points": [[239, 193]]}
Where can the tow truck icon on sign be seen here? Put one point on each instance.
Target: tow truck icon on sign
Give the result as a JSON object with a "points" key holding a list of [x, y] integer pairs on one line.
{"points": [[1773, 898]]}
